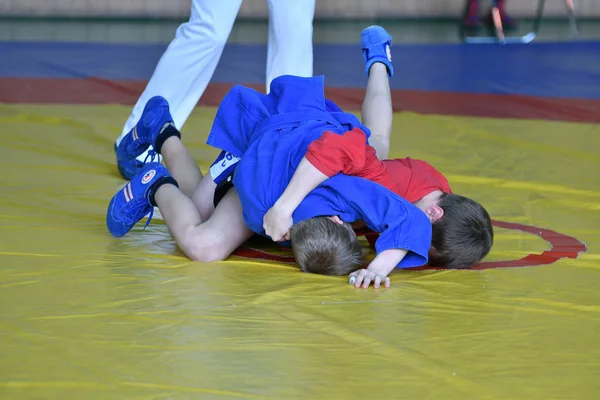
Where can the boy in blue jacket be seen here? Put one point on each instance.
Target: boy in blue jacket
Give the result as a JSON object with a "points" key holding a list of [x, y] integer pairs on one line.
{"points": [[270, 135]]}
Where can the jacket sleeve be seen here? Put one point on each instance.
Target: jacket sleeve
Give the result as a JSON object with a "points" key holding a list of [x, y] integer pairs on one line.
{"points": [[348, 154]]}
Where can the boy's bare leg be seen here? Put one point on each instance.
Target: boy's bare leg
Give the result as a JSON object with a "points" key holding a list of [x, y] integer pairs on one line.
{"points": [[211, 240], [203, 196], [186, 172], [377, 111], [181, 165], [202, 233]]}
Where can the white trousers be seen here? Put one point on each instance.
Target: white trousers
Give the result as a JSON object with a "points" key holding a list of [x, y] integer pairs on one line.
{"points": [[188, 64]]}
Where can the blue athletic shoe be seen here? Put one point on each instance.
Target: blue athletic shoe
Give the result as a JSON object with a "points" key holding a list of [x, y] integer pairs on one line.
{"points": [[128, 168], [132, 203], [156, 114], [376, 44]]}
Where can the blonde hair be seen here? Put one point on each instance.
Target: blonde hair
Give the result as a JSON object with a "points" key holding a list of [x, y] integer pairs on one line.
{"points": [[322, 246]]}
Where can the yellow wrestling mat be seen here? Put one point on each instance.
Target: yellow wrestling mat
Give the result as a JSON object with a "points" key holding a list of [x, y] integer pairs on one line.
{"points": [[88, 316]]}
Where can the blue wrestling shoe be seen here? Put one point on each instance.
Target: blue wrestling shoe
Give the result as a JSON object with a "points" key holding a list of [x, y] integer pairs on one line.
{"points": [[128, 168], [134, 201], [376, 44], [156, 114]]}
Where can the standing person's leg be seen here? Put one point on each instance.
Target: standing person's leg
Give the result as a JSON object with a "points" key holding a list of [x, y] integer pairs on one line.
{"points": [[290, 47], [186, 67], [377, 111]]}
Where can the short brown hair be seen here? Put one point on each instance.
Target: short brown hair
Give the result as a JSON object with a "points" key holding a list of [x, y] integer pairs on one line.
{"points": [[322, 246], [463, 236]]}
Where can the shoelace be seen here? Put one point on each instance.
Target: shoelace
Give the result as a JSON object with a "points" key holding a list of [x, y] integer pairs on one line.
{"points": [[152, 154], [149, 218], [131, 215]]}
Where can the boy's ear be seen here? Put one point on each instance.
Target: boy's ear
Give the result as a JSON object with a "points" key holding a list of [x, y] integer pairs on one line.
{"points": [[434, 213], [336, 219]]}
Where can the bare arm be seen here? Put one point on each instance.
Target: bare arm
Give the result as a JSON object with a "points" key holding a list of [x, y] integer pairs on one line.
{"points": [[386, 261], [378, 270], [278, 220], [306, 178], [331, 154]]}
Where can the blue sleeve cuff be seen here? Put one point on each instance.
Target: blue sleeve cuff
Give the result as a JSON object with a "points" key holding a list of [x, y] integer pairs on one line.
{"points": [[416, 256]]}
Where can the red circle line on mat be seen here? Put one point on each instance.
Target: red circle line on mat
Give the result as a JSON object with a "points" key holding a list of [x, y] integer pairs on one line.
{"points": [[563, 246]]}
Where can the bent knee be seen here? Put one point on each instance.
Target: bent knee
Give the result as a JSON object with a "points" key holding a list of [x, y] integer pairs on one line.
{"points": [[205, 253], [199, 248]]}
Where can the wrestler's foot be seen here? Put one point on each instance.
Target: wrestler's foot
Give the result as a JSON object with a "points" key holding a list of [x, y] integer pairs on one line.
{"points": [[141, 138], [376, 44], [136, 199]]}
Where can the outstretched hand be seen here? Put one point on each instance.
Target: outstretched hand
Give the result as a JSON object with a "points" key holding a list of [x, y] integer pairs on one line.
{"points": [[364, 277], [378, 270], [277, 224]]}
